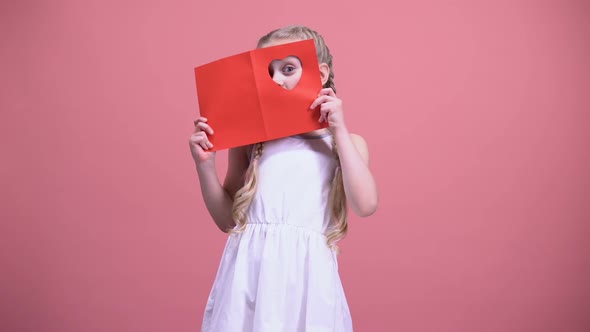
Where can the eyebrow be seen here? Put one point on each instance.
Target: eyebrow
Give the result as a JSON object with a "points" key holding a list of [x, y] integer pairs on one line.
{"points": [[296, 57], [270, 69]]}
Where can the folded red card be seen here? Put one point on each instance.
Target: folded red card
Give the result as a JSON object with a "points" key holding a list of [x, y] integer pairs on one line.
{"points": [[244, 105]]}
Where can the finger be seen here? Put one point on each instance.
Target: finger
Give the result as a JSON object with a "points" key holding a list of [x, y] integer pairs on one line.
{"points": [[205, 127], [323, 115], [316, 102], [202, 140], [197, 137], [327, 92], [325, 110], [200, 119], [320, 100]]}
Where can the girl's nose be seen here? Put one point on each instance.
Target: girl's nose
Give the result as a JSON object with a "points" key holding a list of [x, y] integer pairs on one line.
{"points": [[278, 79]]}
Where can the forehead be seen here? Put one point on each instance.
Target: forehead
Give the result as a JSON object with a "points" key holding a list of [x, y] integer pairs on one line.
{"points": [[291, 59], [279, 41]]}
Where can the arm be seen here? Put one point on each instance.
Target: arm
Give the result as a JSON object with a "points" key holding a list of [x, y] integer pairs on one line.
{"points": [[218, 198], [359, 184]]}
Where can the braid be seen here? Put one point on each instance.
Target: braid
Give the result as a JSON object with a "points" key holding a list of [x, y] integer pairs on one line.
{"points": [[337, 198], [337, 205], [303, 33], [245, 195]]}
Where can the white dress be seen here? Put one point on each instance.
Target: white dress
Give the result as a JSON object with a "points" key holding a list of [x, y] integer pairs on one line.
{"points": [[279, 275]]}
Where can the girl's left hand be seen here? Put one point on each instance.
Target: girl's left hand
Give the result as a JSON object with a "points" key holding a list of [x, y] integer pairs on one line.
{"points": [[330, 108]]}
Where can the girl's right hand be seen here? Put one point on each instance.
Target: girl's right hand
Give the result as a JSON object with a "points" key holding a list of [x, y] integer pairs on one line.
{"points": [[199, 141]]}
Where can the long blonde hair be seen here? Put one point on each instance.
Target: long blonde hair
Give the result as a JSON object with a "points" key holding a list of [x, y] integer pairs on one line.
{"points": [[337, 198]]}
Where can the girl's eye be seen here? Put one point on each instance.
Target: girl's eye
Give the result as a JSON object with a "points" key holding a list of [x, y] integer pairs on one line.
{"points": [[288, 69]]}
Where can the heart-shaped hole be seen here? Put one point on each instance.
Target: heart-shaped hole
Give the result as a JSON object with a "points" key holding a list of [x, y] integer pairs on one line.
{"points": [[286, 72]]}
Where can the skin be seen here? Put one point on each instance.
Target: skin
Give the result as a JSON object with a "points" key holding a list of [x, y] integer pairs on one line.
{"points": [[286, 72], [359, 183]]}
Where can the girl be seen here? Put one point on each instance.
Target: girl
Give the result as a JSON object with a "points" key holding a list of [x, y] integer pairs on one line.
{"points": [[284, 203]]}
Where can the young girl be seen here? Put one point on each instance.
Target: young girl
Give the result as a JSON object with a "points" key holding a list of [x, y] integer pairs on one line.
{"points": [[284, 203]]}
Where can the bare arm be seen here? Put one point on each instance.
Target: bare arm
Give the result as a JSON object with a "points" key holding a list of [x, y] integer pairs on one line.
{"points": [[359, 184], [218, 198]]}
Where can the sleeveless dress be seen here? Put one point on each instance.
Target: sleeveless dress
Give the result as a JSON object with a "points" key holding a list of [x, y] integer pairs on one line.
{"points": [[279, 275]]}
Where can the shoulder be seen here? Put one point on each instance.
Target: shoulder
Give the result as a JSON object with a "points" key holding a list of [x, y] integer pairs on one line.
{"points": [[238, 160], [237, 165], [240, 152], [361, 145], [358, 140]]}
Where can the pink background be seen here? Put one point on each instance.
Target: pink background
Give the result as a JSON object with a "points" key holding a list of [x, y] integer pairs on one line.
{"points": [[477, 118]]}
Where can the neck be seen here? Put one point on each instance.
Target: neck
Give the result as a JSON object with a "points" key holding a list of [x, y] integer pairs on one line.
{"points": [[315, 133]]}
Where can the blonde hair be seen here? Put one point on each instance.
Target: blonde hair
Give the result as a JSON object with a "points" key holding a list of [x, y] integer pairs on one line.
{"points": [[303, 33], [337, 197]]}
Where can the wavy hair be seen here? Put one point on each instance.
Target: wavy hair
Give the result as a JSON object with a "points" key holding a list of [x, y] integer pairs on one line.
{"points": [[337, 197]]}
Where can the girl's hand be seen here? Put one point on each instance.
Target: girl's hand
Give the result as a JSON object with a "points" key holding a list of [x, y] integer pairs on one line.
{"points": [[199, 141], [331, 109]]}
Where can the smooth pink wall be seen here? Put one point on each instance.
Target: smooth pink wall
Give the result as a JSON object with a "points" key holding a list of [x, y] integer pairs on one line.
{"points": [[477, 118]]}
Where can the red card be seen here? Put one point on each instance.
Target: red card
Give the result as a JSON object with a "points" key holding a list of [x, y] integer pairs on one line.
{"points": [[244, 105]]}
